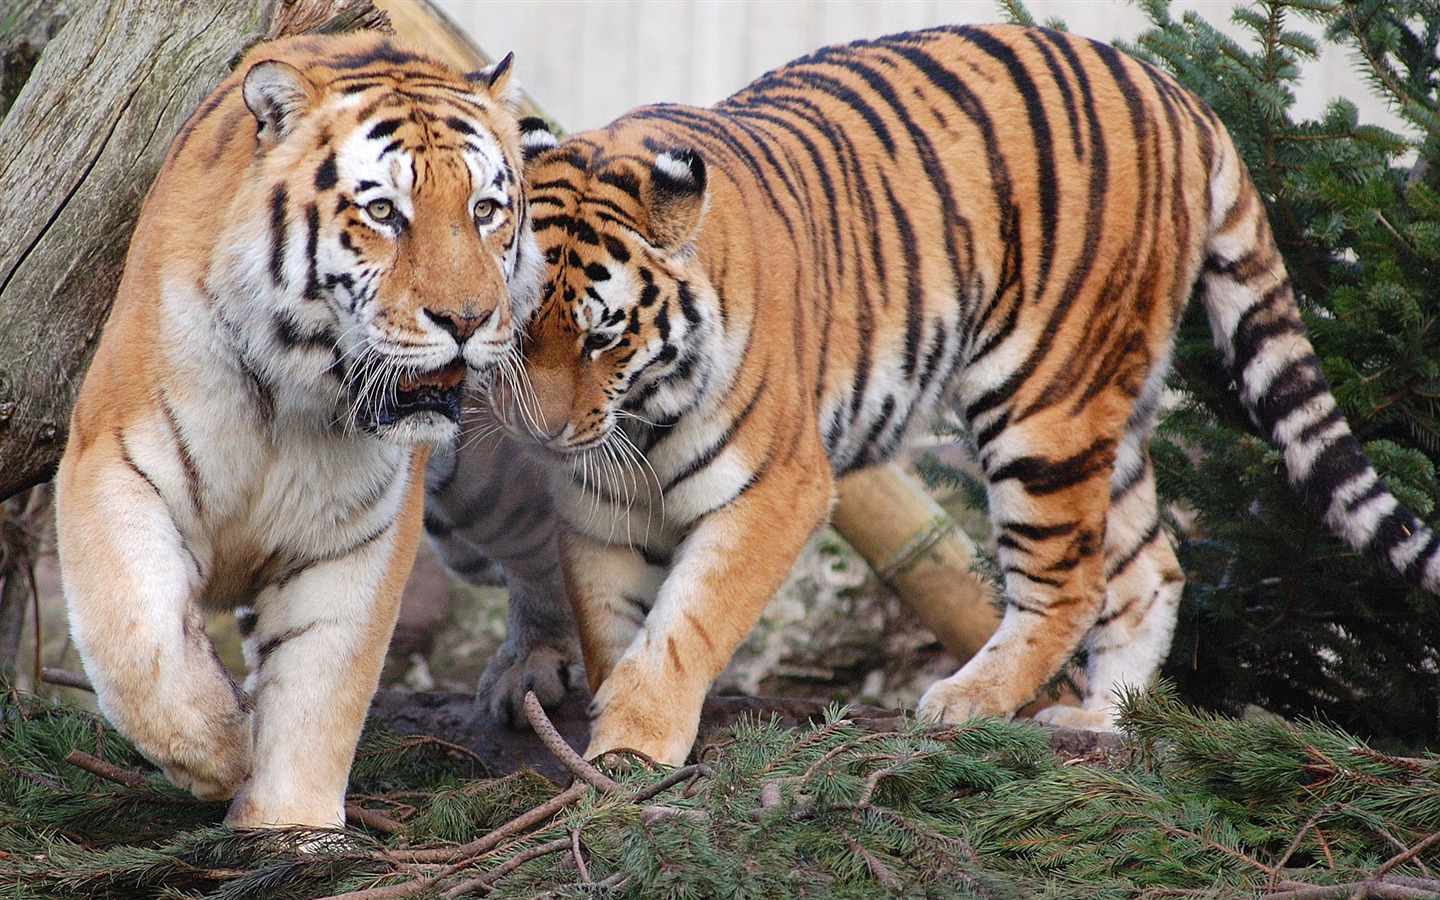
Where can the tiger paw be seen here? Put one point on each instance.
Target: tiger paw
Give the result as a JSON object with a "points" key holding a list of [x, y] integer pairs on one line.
{"points": [[214, 772], [955, 699], [631, 714], [1080, 719], [551, 671]]}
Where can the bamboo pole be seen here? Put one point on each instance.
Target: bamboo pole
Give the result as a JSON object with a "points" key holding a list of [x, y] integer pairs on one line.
{"points": [[917, 548]]}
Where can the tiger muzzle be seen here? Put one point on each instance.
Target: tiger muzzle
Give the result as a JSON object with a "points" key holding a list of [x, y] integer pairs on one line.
{"points": [[437, 391]]}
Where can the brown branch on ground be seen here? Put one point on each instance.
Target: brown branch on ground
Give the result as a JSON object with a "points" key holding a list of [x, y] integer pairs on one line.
{"points": [[419, 740], [562, 751], [109, 771], [65, 678], [1370, 888], [520, 823], [375, 821], [510, 865]]}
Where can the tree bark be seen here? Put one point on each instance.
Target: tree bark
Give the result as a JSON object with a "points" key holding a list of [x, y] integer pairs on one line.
{"points": [[78, 150]]}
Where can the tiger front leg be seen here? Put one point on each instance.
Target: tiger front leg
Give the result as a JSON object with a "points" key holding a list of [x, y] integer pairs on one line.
{"points": [[131, 593], [317, 647], [722, 575]]}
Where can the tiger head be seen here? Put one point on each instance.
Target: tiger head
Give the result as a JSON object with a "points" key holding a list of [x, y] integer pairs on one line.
{"points": [[383, 231], [626, 331]]}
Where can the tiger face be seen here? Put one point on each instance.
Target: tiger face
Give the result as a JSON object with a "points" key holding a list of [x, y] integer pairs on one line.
{"points": [[394, 257], [625, 327]]}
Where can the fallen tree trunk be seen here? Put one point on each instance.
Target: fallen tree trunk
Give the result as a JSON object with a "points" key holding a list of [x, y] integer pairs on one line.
{"points": [[78, 150]]}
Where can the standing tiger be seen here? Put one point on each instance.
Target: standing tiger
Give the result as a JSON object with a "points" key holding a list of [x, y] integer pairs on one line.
{"points": [[745, 301], [337, 238]]}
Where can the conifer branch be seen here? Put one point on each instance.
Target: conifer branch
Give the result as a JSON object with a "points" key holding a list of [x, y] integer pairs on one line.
{"points": [[385, 892], [877, 868], [510, 865], [520, 823], [578, 856], [1406, 856], [682, 774], [420, 740]]}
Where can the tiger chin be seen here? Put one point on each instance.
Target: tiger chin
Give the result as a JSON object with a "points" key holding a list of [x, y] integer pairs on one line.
{"points": [[743, 302], [336, 245]]}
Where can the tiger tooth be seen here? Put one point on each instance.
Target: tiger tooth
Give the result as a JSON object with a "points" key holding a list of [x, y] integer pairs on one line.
{"points": [[444, 378]]}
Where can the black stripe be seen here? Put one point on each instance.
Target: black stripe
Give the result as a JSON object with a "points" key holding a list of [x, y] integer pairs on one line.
{"points": [[134, 466], [1042, 145], [1031, 532], [385, 53], [187, 459], [279, 200], [326, 176], [1120, 565], [383, 128], [1040, 475], [312, 244], [299, 567], [269, 647]]}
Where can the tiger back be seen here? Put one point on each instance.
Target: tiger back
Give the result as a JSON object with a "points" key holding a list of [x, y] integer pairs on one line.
{"points": [[745, 301], [336, 245]]}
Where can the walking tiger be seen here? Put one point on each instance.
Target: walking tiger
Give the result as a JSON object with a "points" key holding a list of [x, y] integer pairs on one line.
{"points": [[337, 240], [744, 301]]}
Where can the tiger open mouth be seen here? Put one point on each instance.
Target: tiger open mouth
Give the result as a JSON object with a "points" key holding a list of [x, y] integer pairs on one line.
{"points": [[437, 391]]}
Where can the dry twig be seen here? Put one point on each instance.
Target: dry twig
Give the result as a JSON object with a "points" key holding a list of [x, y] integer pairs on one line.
{"points": [[520, 823], [510, 865], [108, 771], [66, 678], [556, 744]]}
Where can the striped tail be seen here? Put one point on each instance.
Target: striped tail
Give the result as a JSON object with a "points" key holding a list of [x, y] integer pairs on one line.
{"points": [[1257, 326]]}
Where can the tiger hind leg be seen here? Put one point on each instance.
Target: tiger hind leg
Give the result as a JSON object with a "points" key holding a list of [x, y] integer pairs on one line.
{"points": [[1049, 499], [1144, 582]]}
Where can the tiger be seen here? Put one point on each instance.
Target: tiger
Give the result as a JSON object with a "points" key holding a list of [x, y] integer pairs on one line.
{"points": [[744, 301], [489, 518], [335, 249]]}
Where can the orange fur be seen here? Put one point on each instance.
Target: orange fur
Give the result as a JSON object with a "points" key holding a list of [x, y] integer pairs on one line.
{"points": [[336, 238], [746, 300]]}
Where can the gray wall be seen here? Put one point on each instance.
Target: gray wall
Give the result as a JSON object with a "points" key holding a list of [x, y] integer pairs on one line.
{"points": [[587, 61]]}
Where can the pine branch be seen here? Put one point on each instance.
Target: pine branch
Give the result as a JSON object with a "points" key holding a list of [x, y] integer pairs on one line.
{"points": [[108, 771]]}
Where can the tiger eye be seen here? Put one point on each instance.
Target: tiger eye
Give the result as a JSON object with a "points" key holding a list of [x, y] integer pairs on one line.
{"points": [[380, 210], [485, 210]]}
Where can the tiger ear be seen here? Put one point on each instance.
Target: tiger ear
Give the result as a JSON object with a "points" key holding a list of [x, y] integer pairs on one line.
{"points": [[277, 94], [536, 137], [675, 197], [495, 80]]}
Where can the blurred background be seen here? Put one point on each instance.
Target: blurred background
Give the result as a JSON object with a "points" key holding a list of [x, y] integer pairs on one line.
{"points": [[587, 61]]}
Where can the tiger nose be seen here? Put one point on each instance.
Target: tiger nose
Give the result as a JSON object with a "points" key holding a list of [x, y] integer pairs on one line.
{"points": [[459, 325]]}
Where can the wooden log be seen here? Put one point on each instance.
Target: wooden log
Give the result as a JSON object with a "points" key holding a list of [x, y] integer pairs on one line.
{"points": [[424, 24], [78, 150], [919, 550]]}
